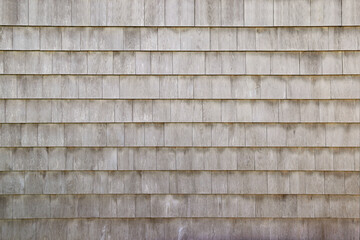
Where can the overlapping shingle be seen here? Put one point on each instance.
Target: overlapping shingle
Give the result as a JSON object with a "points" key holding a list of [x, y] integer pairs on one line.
{"points": [[175, 119]]}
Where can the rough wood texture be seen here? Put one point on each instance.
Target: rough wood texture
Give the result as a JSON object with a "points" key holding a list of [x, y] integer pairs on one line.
{"points": [[179, 119]]}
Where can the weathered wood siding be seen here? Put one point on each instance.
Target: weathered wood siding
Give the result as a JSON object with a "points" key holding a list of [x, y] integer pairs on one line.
{"points": [[179, 119]]}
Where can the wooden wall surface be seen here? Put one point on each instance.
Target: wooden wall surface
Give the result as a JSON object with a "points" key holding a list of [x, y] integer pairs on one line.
{"points": [[179, 119]]}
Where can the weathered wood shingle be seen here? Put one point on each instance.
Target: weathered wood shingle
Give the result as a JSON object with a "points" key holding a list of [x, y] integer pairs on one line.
{"points": [[179, 119]]}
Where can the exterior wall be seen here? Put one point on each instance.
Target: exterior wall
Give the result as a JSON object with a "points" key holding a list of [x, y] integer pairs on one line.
{"points": [[179, 119]]}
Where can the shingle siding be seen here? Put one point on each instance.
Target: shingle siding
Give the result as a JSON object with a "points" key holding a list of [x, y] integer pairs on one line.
{"points": [[179, 119]]}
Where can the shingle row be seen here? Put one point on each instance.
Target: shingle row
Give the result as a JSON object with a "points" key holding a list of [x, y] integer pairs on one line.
{"points": [[179, 206], [179, 87], [172, 228], [82, 111], [179, 39], [180, 134], [256, 63], [283, 159], [180, 12], [180, 182]]}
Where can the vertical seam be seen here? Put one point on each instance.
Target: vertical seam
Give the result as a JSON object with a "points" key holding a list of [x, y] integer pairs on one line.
{"points": [[164, 10], [61, 38], [278, 103], [211, 180], [220, 10], [273, 12], [342, 65], [330, 90], [341, 13], [244, 13], [140, 37], [164, 125], [165, 24], [143, 13], [5, 109], [202, 110], [124, 134], [266, 136], [170, 101], [205, 54], [175, 159], [195, 12], [25, 110], [28, 8], [150, 54], [39, 46], [210, 48], [123, 38], [221, 110], [113, 67], [299, 63], [159, 87], [267, 182], [87, 62], [271, 59], [157, 38], [325, 129], [192, 89], [180, 33], [135, 56], [132, 109], [71, 20], [12, 43], [119, 88], [237, 39], [211, 133], [324, 181], [192, 128], [310, 13], [172, 62]]}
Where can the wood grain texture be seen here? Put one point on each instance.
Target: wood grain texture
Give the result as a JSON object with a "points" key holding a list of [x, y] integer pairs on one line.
{"points": [[179, 119]]}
